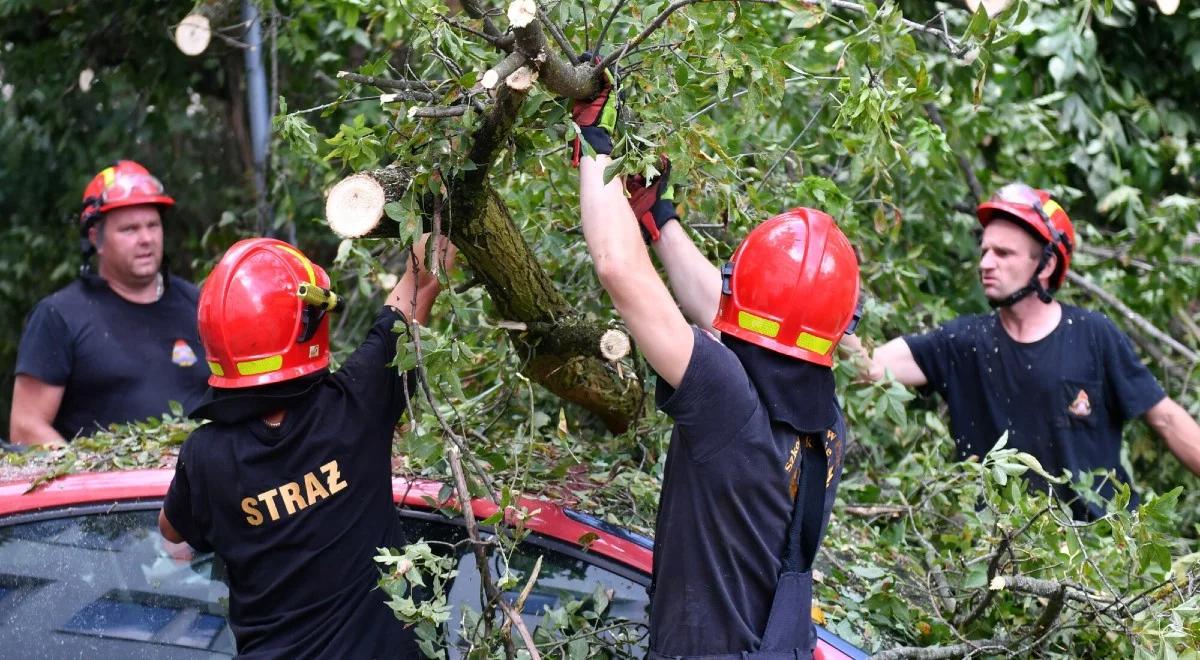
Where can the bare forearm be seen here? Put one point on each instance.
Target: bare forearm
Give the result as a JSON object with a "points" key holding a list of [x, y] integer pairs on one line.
{"points": [[695, 281], [1179, 432], [27, 430], [608, 223]]}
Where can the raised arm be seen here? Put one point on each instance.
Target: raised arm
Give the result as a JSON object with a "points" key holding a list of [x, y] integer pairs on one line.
{"points": [[418, 288], [1178, 430], [626, 273], [695, 281]]}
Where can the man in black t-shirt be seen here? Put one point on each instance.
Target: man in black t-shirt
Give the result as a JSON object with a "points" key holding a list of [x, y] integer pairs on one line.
{"points": [[290, 483], [116, 345], [756, 452], [1059, 380]]}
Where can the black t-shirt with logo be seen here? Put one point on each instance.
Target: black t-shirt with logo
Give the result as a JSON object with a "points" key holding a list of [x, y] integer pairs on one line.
{"points": [[118, 361], [298, 512], [727, 498], [1063, 398]]}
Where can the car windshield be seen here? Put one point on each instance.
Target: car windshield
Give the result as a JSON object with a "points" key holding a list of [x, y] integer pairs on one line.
{"points": [[100, 582]]}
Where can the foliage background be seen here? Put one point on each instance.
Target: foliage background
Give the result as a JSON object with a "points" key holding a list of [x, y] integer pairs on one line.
{"points": [[762, 106]]}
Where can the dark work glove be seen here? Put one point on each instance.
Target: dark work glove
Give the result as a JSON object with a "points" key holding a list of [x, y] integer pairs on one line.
{"points": [[653, 203], [596, 119]]}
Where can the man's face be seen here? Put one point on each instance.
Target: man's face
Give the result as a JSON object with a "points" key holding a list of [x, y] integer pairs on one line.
{"points": [[131, 248], [1008, 257]]}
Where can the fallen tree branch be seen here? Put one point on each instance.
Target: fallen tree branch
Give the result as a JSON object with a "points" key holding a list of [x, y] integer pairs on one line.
{"points": [[999, 644], [390, 83], [1133, 317], [437, 111]]}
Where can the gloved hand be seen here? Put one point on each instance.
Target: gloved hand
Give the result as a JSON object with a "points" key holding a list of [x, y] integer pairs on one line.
{"points": [[597, 118], [653, 203]]}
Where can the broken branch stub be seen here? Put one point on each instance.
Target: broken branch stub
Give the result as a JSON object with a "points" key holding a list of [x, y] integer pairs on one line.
{"points": [[355, 205], [522, 79], [194, 32], [522, 12], [614, 345]]}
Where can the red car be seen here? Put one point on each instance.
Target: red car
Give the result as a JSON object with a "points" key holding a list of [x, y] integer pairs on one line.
{"points": [[85, 573]]}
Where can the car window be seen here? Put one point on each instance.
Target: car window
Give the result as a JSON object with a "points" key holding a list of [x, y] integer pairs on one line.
{"points": [[100, 582], [109, 586]]}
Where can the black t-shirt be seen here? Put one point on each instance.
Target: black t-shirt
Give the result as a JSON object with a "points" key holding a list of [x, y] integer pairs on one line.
{"points": [[727, 498], [1062, 398], [118, 361], [298, 512]]}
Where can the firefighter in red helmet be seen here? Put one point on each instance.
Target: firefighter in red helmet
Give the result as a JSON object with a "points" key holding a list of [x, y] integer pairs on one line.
{"points": [[1060, 381], [756, 451], [119, 343], [290, 483]]}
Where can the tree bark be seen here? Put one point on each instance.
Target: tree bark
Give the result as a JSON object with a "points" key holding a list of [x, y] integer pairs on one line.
{"points": [[562, 348], [522, 291], [354, 206]]}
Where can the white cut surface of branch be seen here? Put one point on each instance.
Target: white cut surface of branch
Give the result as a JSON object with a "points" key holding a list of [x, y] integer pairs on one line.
{"points": [[354, 206], [521, 79], [522, 12], [193, 34], [614, 345]]}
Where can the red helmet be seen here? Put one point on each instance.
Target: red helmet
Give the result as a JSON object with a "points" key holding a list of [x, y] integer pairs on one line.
{"points": [[1035, 211], [255, 324], [124, 184], [791, 287]]}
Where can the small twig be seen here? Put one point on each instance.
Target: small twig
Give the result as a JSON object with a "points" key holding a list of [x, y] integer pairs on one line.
{"points": [[390, 83], [795, 140], [604, 30], [331, 104], [963, 163], [559, 37]]}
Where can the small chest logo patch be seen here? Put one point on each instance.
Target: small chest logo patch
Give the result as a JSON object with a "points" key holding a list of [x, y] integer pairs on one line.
{"points": [[182, 354], [1081, 406]]}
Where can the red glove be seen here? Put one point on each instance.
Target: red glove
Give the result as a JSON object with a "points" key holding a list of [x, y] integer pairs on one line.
{"points": [[596, 119], [653, 203]]}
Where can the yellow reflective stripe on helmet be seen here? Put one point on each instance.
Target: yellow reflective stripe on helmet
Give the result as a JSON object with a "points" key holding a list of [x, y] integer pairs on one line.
{"points": [[260, 366], [758, 324], [109, 174], [813, 343], [312, 275], [215, 368], [1051, 207]]}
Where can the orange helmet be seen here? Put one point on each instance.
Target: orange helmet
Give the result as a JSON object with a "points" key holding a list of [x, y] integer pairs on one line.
{"points": [[126, 183], [1036, 212], [259, 320], [791, 287]]}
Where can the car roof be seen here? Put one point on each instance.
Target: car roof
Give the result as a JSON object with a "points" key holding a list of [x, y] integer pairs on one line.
{"points": [[548, 518]]}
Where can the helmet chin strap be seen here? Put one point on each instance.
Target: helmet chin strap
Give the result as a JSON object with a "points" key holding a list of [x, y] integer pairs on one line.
{"points": [[1034, 286]]}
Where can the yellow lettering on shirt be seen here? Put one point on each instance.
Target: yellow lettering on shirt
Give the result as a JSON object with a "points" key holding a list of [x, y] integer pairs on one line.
{"points": [[296, 498], [334, 477], [269, 499], [315, 490], [252, 515], [290, 494]]}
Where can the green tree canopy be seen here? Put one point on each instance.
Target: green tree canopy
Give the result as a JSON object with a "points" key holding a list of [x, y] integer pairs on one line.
{"points": [[895, 118]]}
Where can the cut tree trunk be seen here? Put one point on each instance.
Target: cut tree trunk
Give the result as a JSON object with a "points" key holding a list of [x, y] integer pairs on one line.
{"points": [[354, 207], [194, 32], [570, 355]]}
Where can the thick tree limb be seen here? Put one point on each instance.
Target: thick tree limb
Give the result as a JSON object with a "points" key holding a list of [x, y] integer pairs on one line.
{"points": [[1137, 320], [566, 361]]}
